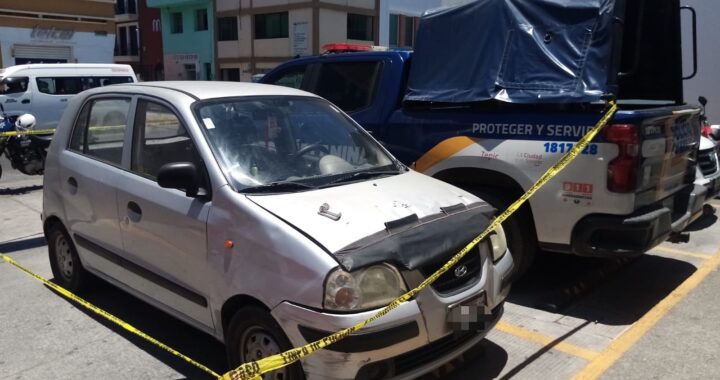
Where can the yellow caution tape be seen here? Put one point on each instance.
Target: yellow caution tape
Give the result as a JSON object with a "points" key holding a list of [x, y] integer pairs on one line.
{"points": [[157, 123], [30, 132], [68, 294], [253, 370], [52, 131]]}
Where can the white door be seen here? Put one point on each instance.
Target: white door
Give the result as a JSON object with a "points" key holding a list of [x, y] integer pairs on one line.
{"points": [[89, 175]]}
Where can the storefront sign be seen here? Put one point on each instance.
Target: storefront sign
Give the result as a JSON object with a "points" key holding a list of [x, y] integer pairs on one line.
{"points": [[51, 33], [300, 39], [184, 58]]}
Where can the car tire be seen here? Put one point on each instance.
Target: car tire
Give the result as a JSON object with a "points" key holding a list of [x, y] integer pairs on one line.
{"points": [[519, 229], [65, 262], [254, 334]]}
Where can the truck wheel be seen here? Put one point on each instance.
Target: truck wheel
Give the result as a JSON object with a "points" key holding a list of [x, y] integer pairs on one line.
{"points": [[519, 229], [65, 262], [253, 334]]}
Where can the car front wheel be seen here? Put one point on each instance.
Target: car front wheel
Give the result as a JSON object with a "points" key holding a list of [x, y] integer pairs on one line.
{"points": [[253, 335]]}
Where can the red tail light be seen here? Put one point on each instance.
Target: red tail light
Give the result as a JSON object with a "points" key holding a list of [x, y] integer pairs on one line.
{"points": [[622, 171], [706, 130]]}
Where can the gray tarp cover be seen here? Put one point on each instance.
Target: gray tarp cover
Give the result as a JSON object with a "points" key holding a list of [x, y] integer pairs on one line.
{"points": [[518, 51]]}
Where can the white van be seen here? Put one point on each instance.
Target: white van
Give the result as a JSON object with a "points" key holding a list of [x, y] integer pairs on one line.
{"points": [[43, 90]]}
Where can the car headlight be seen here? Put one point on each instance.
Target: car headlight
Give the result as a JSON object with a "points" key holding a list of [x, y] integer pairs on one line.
{"points": [[498, 244], [364, 289]]}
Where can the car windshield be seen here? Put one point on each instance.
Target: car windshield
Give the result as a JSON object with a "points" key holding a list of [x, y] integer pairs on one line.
{"points": [[280, 143]]}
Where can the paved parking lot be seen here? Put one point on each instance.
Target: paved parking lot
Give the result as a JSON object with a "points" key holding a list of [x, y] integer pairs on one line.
{"points": [[655, 316]]}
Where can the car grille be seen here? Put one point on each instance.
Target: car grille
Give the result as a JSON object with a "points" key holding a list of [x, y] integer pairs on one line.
{"points": [[450, 281], [419, 357], [708, 161], [413, 359]]}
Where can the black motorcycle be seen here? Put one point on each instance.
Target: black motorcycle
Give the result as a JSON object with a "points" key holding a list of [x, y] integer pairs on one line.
{"points": [[25, 151]]}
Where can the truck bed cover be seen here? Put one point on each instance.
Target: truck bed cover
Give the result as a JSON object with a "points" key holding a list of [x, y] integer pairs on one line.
{"points": [[518, 51]]}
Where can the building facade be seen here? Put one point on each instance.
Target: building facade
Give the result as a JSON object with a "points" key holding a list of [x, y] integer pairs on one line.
{"points": [[254, 36], [187, 38], [52, 31], [138, 41]]}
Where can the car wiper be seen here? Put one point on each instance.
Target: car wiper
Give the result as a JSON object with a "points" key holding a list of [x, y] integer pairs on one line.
{"points": [[363, 175], [278, 187]]}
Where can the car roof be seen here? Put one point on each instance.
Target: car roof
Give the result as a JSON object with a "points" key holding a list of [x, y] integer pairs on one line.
{"points": [[114, 67], [201, 90]]}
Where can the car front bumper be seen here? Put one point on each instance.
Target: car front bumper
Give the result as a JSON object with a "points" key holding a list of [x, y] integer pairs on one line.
{"points": [[409, 341]]}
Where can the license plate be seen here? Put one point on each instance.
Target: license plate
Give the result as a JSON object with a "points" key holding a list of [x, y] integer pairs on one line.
{"points": [[470, 314]]}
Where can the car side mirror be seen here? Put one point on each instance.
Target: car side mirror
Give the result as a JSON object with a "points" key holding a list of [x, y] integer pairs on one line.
{"points": [[181, 176], [702, 100]]}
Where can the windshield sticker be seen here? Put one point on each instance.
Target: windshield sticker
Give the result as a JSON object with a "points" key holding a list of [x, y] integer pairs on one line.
{"points": [[208, 123]]}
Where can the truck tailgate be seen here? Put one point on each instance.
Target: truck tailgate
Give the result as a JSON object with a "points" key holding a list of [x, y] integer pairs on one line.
{"points": [[668, 148]]}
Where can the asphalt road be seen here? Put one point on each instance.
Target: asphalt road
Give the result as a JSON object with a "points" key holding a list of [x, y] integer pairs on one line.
{"points": [[655, 316]]}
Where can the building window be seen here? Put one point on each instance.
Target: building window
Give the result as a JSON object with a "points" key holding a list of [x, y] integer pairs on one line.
{"points": [[394, 35], [230, 75], [409, 31], [176, 25], [201, 22], [119, 7], [208, 70], [360, 27], [122, 44], [133, 36], [125, 6], [227, 28], [127, 41], [190, 71], [271, 25]]}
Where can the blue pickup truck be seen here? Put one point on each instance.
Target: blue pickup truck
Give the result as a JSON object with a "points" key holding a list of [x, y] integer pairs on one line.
{"points": [[491, 116]]}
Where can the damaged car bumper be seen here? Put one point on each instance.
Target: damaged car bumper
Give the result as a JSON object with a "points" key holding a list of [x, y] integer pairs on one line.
{"points": [[420, 335]]}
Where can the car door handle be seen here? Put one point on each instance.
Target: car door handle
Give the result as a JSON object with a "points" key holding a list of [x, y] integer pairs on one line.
{"points": [[25, 101], [134, 211], [73, 185], [63, 100]]}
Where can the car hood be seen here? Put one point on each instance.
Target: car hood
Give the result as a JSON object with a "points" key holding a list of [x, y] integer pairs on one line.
{"points": [[364, 208]]}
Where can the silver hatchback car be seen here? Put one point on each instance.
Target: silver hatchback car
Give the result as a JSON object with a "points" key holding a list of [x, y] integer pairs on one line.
{"points": [[268, 218]]}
